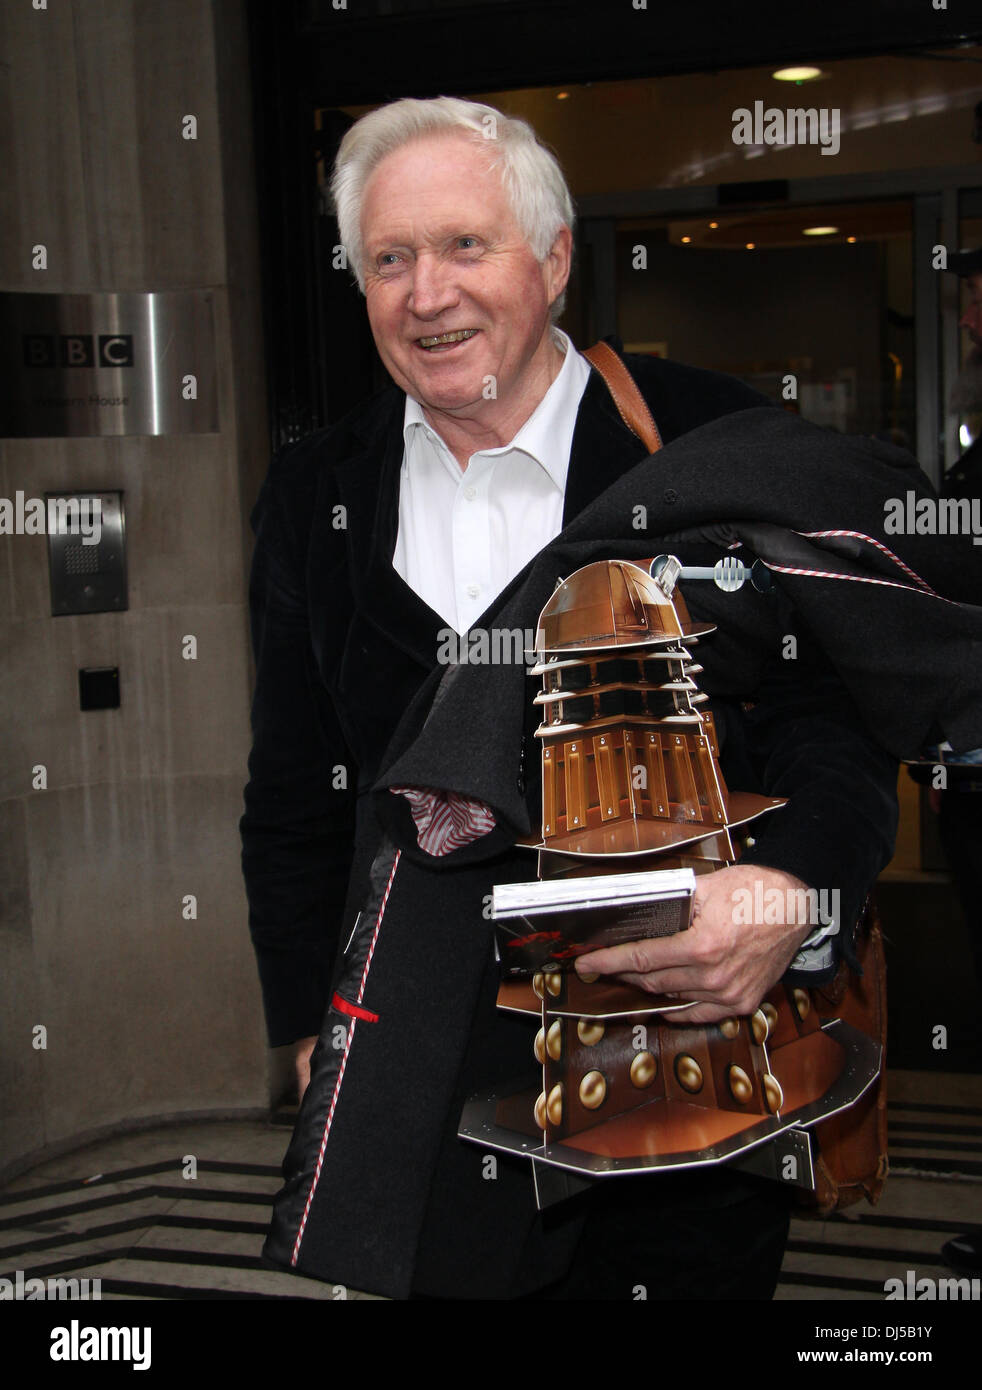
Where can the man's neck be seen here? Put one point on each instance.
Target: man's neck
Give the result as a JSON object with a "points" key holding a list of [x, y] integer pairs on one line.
{"points": [[470, 430]]}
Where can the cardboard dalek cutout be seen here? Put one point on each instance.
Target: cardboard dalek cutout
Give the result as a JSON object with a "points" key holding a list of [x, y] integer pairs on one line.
{"points": [[634, 807]]}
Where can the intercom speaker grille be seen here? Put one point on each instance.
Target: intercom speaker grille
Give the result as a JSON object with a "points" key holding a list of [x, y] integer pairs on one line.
{"points": [[82, 559]]}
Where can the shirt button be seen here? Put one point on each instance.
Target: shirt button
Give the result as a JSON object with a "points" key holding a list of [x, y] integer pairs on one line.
{"points": [[470, 493], [472, 591]]}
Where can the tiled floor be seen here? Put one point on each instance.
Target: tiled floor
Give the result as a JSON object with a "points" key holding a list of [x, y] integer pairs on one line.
{"points": [[934, 1191], [138, 1214]]}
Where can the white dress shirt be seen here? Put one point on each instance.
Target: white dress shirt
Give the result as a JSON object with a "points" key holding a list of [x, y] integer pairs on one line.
{"points": [[465, 533]]}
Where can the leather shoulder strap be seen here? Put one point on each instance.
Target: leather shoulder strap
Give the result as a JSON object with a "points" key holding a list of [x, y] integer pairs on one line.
{"points": [[630, 403]]}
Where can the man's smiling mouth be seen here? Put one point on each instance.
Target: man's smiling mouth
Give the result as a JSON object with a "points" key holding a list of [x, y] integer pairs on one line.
{"points": [[447, 339]]}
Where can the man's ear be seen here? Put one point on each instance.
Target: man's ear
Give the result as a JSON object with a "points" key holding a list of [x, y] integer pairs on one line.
{"points": [[557, 263]]}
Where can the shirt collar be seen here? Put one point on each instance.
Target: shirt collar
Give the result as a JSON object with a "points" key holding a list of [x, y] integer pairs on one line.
{"points": [[546, 436]]}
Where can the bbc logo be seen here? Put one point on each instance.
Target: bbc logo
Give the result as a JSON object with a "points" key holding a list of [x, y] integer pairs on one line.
{"points": [[78, 350]]}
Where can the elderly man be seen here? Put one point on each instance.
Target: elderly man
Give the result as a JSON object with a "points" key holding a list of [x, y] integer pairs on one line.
{"points": [[423, 511]]}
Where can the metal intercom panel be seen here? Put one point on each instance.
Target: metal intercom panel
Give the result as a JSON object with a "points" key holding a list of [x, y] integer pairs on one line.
{"points": [[86, 552]]}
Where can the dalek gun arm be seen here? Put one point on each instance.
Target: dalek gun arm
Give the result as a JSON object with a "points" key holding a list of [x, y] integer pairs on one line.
{"points": [[637, 825], [729, 573]]}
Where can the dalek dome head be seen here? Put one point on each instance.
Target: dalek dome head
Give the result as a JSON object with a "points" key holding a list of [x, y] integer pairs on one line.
{"points": [[613, 604]]}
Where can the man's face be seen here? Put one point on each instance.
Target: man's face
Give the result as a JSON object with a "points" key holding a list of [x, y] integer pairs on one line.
{"points": [[444, 255], [972, 317]]}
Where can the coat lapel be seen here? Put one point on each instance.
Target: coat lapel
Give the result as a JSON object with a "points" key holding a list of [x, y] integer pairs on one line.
{"points": [[368, 485], [603, 448]]}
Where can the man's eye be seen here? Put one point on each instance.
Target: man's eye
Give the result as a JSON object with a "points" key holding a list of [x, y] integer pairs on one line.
{"points": [[467, 243], [388, 260]]}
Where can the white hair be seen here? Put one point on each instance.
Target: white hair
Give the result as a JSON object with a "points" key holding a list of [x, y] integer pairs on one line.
{"points": [[530, 174]]}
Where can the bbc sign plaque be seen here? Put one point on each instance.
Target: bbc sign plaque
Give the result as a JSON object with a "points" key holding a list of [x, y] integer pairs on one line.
{"points": [[86, 364]]}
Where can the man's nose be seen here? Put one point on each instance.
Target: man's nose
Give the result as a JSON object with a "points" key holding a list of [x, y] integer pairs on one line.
{"points": [[433, 288]]}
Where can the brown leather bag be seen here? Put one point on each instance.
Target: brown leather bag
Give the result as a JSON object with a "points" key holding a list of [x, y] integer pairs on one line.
{"points": [[850, 1157]]}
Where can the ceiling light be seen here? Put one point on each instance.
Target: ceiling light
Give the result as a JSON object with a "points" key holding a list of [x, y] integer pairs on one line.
{"points": [[800, 74], [850, 238], [686, 239], [820, 231], [561, 96], [714, 225], [751, 245]]}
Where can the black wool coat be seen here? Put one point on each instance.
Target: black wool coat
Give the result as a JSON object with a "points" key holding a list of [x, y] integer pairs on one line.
{"points": [[378, 1192]]}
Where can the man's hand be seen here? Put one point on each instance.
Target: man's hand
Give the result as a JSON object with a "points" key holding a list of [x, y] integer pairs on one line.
{"points": [[302, 1049], [722, 960]]}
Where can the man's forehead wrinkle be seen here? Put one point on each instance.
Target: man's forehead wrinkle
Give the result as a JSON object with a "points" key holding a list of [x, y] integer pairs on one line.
{"points": [[487, 164], [431, 217]]}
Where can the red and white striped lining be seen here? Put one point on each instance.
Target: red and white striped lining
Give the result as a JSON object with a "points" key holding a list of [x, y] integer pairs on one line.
{"points": [[344, 1062], [446, 820], [871, 540]]}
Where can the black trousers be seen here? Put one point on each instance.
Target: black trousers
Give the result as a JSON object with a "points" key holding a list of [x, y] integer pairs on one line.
{"points": [[711, 1234], [704, 1234]]}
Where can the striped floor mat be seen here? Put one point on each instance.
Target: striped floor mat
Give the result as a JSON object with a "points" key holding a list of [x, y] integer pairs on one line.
{"points": [[934, 1192]]}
